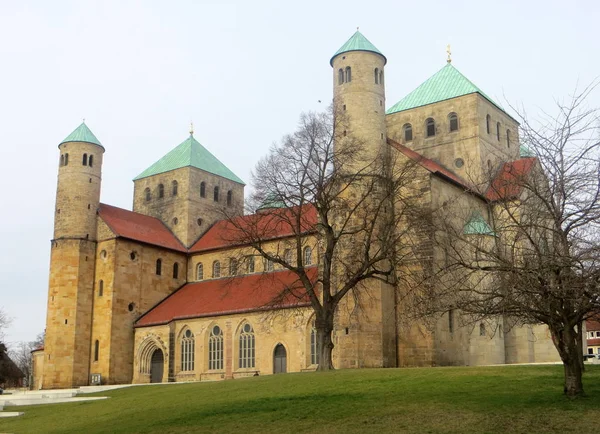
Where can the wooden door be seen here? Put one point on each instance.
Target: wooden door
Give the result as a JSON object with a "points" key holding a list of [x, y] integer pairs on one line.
{"points": [[280, 360]]}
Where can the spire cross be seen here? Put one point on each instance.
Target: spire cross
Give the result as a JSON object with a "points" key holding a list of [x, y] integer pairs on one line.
{"points": [[191, 128], [449, 54]]}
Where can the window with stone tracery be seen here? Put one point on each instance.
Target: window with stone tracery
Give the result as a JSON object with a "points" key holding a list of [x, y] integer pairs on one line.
{"points": [[187, 351], [247, 347], [215, 349]]}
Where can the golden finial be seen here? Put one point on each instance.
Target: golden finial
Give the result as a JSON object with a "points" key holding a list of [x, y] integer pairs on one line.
{"points": [[191, 128], [449, 54]]}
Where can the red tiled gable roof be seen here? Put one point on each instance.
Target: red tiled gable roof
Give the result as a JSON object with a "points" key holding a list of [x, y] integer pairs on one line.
{"points": [[248, 293], [508, 184], [264, 226], [430, 165], [592, 325], [139, 227], [37, 349]]}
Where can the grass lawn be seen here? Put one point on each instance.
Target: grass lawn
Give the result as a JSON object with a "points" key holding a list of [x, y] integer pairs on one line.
{"points": [[507, 399]]}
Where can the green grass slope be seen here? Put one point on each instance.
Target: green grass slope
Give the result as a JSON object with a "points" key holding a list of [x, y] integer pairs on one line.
{"points": [[507, 399]]}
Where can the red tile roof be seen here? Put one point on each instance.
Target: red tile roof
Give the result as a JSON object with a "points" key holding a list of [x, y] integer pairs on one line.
{"points": [[274, 224], [227, 296], [430, 165], [139, 227], [508, 184], [592, 325]]}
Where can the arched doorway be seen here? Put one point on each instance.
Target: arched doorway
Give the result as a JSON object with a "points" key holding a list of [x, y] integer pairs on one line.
{"points": [[279, 360], [157, 364]]}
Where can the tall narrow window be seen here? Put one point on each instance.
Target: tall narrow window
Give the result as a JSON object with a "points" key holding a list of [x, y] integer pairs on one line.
{"points": [[348, 74], [216, 269], [175, 270], [381, 77], [487, 123], [233, 267], [287, 256], [202, 189], [161, 191], [376, 75], [96, 350], [430, 127], [307, 255], [229, 198], [268, 265], [158, 267], [62, 160], [482, 329], [91, 161], [453, 120], [100, 288], [341, 76], [451, 320], [187, 351], [216, 194], [314, 354], [408, 136], [84, 160], [199, 271], [66, 159], [250, 264], [174, 186], [498, 131], [148, 194], [215, 349], [247, 349], [508, 138]]}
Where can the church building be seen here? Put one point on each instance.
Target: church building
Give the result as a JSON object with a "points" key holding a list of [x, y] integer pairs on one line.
{"points": [[159, 293]]}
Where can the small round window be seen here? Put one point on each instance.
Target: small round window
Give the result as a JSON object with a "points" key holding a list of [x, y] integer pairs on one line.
{"points": [[216, 330], [199, 221], [131, 307], [459, 162], [133, 255], [247, 328], [188, 334], [175, 221], [103, 254]]}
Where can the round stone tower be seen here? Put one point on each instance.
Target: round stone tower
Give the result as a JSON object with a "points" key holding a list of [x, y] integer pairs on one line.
{"points": [[359, 95], [78, 191]]}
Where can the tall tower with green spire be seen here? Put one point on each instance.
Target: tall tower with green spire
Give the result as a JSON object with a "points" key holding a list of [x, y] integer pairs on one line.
{"points": [[70, 294]]}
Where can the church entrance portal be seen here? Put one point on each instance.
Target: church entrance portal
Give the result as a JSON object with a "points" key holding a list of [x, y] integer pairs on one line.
{"points": [[157, 365], [279, 360]]}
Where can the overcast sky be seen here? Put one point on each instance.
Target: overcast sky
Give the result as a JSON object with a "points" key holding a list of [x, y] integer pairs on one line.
{"points": [[139, 71]]}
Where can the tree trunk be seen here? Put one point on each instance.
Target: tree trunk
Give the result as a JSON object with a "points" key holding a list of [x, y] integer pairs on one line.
{"points": [[580, 344], [325, 343], [565, 340]]}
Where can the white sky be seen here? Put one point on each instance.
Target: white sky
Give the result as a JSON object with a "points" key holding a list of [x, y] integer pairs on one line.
{"points": [[139, 71]]}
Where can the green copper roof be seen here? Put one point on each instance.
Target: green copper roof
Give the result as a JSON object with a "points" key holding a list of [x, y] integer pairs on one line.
{"points": [[525, 152], [357, 42], [272, 201], [189, 153], [477, 225], [447, 83], [82, 134]]}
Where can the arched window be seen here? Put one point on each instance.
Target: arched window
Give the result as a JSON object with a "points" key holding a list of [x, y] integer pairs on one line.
{"points": [[174, 186], [187, 351], [216, 269], [508, 138], [175, 270], [229, 197], [453, 120], [250, 264], [482, 329], [307, 255], [96, 350], [199, 271], [487, 123], [216, 194], [314, 354], [451, 321], [66, 159], [202, 189], [348, 74], [498, 131], [62, 160], [161, 191], [148, 195], [247, 349], [489, 165], [100, 288], [381, 77], [341, 76], [84, 160], [215, 348], [268, 265], [158, 267], [233, 267], [287, 256], [408, 136], [430, 127], [91, 161], [376, 75]]}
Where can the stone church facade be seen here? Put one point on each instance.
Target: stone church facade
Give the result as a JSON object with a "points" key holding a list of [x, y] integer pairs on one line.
{"points": [[159, 294]]}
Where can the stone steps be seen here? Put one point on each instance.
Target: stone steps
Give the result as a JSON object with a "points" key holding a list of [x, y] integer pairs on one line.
{"points": [[43, 400], [11, 413]]}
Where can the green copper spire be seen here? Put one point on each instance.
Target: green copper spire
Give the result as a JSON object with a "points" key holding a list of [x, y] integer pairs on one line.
{"points": [[525, 152], [82, 134], [357, 42], [477, 226], [189, 153], [445, 84]]}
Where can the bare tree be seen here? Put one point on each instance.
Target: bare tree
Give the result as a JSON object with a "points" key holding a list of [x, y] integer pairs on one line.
{"points": [[540, 264], [21, 355], [4, 323], [319, 188]]}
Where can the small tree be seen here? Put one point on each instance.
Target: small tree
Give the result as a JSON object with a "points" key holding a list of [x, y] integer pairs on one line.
{"points": [[319, 185], [541, 262]]}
